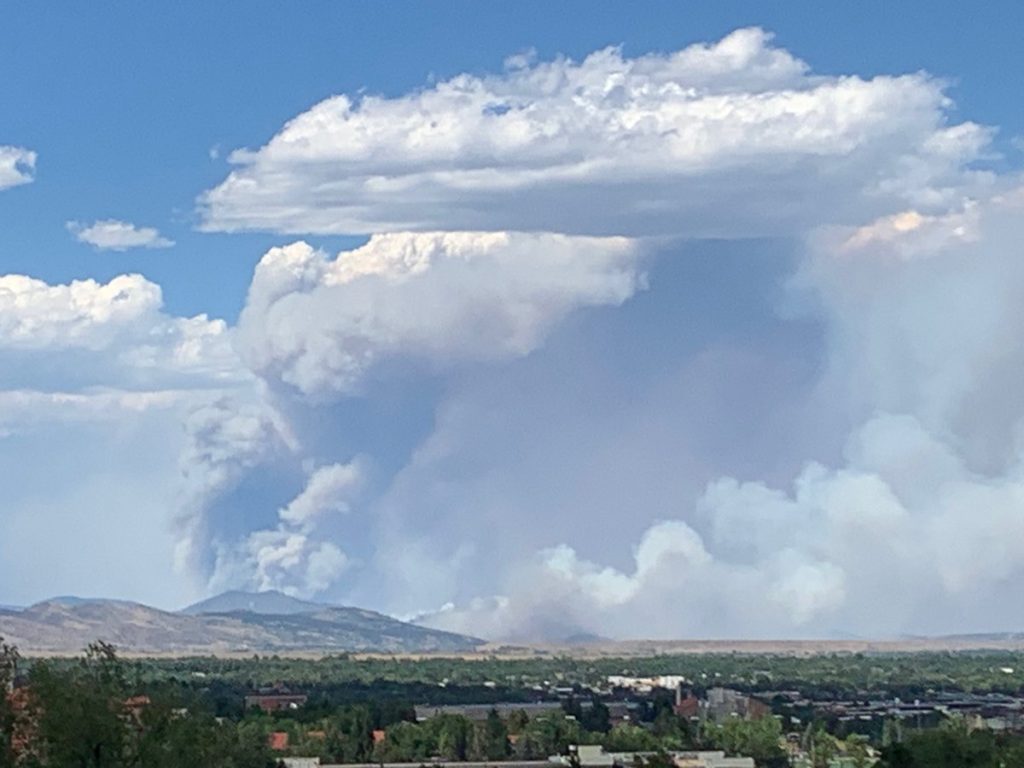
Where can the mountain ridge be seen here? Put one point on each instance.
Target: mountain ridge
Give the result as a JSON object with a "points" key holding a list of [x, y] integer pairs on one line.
{"points": [[279, 623], [269, 603]]}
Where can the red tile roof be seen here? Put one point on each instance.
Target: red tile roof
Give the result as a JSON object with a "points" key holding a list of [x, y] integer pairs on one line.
{"points": [[278, 741]]}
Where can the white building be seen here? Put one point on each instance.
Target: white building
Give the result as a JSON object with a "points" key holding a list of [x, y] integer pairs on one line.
{"points": [[301, 762], [646, 684], [595, 757]]}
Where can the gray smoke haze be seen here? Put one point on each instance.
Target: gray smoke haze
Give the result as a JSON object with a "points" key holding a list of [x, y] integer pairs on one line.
{"points": [[918, 526], [590, 485]]}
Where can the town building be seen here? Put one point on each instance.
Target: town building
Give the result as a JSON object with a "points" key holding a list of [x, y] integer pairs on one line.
{"points": [[589, 756], [275, 700], [278, 741], [300, 762], [480, 712], [723, 703]]}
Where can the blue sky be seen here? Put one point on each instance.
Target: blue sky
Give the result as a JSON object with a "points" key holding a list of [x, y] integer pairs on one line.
{"points": [[124, 104], [672, 324]]}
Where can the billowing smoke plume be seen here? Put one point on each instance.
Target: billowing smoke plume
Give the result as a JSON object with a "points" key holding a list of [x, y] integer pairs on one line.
{"points": [[322, 325], [319, 330], [920, 527], [476, 435]]}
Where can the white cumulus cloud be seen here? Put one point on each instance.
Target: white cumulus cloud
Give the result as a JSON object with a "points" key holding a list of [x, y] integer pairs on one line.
{"points": [[87, 364], [17, 166], [115, 331], [113, 235], [113, 334], [736, 138]]}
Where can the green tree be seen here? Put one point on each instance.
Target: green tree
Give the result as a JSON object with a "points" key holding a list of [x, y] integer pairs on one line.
{"points": [[494, 737], [454, 733], [627, 737], [596, 717], [518, 721], [897, 755], [672, 731], [892, 732], [857, 750], [549, 735], [8, 669], [951, 746], [820, 745], [172, 738], [759, 739], [82, 720], [406, 742], [350, 734]]}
